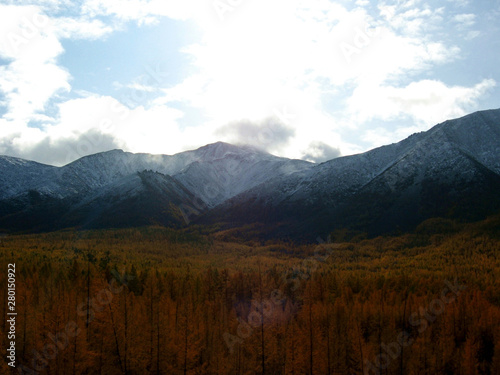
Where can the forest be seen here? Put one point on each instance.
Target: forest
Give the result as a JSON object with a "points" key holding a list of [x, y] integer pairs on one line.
{"points": [[154, 300]]}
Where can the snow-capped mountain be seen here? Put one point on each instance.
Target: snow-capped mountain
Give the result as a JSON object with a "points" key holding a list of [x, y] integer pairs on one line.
{"points": [[452, 170], [224, 166], [19, 175], [206, 176]]}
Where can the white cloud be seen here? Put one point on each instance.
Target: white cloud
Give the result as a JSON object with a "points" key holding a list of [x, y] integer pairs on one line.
{"points": [[142, 11], [96, 123], [330, 67], [362, 3], [80, 28], [466, 19], [460, 3], [138, 130], [473, 34], [412, 21], [29, 41], [428, 102], [52, 5], [32, 75], [464, 24], [248, 67]]}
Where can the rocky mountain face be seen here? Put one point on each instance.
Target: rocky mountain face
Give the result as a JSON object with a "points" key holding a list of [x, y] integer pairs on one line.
{"points": [[452, 170]]}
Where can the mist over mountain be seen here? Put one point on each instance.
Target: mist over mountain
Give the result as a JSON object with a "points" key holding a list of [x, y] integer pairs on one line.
{"points": [[452, 170]]}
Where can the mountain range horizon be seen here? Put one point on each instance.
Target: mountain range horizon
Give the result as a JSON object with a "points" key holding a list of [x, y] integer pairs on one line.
{"points": [[451, 170]]}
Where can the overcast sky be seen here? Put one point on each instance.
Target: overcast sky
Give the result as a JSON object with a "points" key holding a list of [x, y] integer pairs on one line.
{"points": [[311, 79]]}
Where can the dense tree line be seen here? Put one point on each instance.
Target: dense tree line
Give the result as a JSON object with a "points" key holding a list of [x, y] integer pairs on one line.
{"points": [[158, 301]]}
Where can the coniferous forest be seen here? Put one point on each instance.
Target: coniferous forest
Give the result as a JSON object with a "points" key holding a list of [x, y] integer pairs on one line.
{"points": [[154, 300]]}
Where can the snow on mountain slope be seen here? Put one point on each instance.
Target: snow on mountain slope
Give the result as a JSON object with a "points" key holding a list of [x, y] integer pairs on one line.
{"points": [[452, 168], [218, 180], [226, 165], [214, 172], [333, 179], [19, 175], [478, 135], [429, 173], [197, 179]]}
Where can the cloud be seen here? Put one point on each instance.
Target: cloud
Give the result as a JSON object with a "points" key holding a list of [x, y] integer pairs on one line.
{"points": [[80, 28], [427, 101], [269, 134], [408, 19], [141, 11], [460, 3], [93, 124], [464, 23], [465, 19], [29, 42], [52, 5], [321, 53], [154, 129], [31, 80], [319, 152], [61, 151], [297, 63], [31, 77], [336, 68]]}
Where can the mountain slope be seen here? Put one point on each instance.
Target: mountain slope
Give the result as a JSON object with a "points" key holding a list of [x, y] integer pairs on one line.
{"points": [[451, 170], [19, 175], [223, 165], [206, 176], [142, 198], [217, 180]]}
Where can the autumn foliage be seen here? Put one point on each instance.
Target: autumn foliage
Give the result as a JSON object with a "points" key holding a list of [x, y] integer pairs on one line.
{"points": [[158, 301]]}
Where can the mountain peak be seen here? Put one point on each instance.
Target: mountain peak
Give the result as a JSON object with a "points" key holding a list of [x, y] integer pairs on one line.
{"points": [[219, 150], [398, 184]]}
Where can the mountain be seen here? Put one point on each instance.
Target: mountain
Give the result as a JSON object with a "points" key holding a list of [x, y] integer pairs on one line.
{"points": [[34, 196], [139, 199], [452, 170], [224, 171], [18, 175]]}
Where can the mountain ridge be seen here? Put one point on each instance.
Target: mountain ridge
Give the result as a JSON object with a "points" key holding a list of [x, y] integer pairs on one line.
{"points": [[321, 192], [427, 174]]}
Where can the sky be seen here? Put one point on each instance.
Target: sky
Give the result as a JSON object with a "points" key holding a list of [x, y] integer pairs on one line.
{"points": [[305, 79]]}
